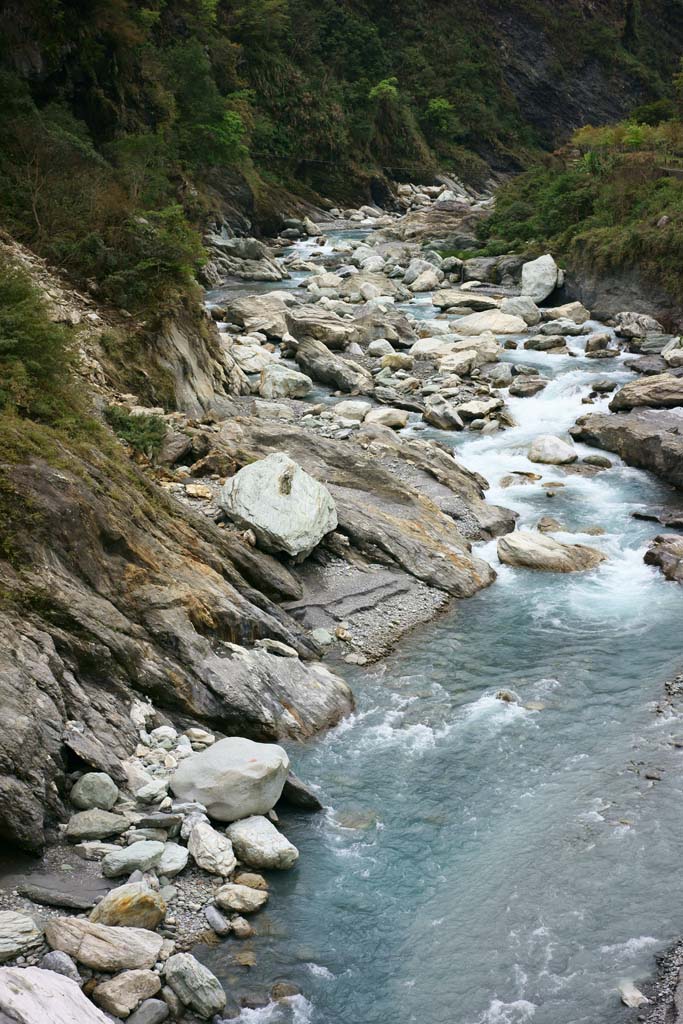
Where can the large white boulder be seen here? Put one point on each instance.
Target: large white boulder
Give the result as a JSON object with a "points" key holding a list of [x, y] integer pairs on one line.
{"points": [[101, 947], [279, 381], [285, 507], [259, 844], [552, 451], [492, 320], [234, 778], [539, 277], [29, 995], [529, 550]]}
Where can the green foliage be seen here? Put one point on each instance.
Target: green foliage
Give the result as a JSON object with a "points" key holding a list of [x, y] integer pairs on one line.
{"points": [[145, 434], [385, 91]]}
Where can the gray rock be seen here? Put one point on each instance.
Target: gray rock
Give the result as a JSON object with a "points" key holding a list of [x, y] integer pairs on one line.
{"points": [[298, 794], [173, 860], [59, 896], [19, 934], [194, 984], [101, 947], [141, 856], [285, 507], [29, 995], [661, 391], [318, 362], [529, 550], [95, 824], [94, 789], [234, 778], [279, 381], [524, 306], [539, 278], [216, 920], [152, 1011], [258, 843], [60, 963], [124, 993]]}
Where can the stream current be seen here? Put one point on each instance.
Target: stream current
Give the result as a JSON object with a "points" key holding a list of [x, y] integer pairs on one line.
{"points": [[479, 862]]}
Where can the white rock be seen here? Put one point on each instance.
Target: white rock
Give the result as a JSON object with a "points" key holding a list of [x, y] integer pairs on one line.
{"points": [[529, 550], [18, 934], [173, 860], [552, 451], [124, 993], [278, 381], [195, 985], [632, 996], [251, 359], [234, 778], [492, 320], [380, 347], [241, 898], [524, 306], [102, 947], [427, 281], [211, 850], [259, 844], [29, 995], [285, 507], [431, 348], [386, 416], [352, 409], [539, 278]]}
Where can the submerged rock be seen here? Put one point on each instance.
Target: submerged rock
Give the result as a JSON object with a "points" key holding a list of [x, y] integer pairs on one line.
{"points": [[528, 550], [234, 778], [285, 507], [632, 996]]}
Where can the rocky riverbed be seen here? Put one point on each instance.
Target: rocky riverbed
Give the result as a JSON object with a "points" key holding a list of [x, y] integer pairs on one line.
{"points": [[338, 501]]}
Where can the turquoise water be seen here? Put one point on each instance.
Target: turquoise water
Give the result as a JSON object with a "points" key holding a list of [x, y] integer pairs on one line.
{"points": [[479, 862]]}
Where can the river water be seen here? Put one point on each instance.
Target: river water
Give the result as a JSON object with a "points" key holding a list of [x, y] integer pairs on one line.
{"points": [[478, 862]]}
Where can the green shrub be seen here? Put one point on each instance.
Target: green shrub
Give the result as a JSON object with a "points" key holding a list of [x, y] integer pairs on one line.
{"points": [[145, 434]]}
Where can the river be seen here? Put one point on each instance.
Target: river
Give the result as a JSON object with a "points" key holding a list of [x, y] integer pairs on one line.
{"points": [[479, 862]]}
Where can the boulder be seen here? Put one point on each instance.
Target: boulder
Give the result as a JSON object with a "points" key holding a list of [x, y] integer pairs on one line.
{"points": [[152, 1011], [29, 995], [279, 381], [195, 985], [661, 391], [258, 843], [173, 860], [524, 306], [528, 550], [352, 409], [552, 451], [124, 993], [539, 278], [95, 824], [666, 552], [241, 898], [298, 794], [456, 298], [432, 348], [62, 964], [329, 368], [139, 857], [427, 281], [211, 850], [18, 935], [387, 417], [491, 320], [134, 905], [94, 789], [234, 778], [636, 325], [527, 387], [380, 347], [569, 311], [442, 414], [101, 947], [285, 507]]}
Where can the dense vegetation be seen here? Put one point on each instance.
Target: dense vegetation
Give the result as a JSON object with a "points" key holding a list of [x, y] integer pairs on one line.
{"points": [[610, 200], [126, 124]]}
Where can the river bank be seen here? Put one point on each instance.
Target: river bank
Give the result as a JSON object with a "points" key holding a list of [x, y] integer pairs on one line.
{"points": [[429, 463]]}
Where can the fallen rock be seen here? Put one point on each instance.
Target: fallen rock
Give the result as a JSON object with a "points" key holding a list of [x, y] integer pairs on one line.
{"points": [[279, 381], [234, 778], [95, 824], [328, 368], [528, 550], [241, 898], [491, 320], [285, 507], [139, 857], [539, 277], [648, 438], [396, 419], [18, 935], [195, 985], [298, 794], [101, 947], [552, 451], [661, 391], [211, 850], [29, 995], [631, 996], [124, 993], [134, 905], [258, 843], [94, 789], [666, 552]]}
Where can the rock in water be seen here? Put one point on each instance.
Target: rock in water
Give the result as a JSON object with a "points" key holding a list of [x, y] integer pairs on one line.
{"points": [[662, 391], [124, 993], [285, 507], [552, 451], [539, 278], [278, 381], [631, 996], [259, 844], [134, 905], [94, 789], [101, 947], [211, 850], [492, 320], [29, 995], [528, 550], [195, 985], [241, 898], [18, 934], [234, 778]]}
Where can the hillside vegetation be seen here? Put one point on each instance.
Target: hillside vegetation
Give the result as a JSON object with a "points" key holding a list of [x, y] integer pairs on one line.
{"points": [[127, 125]]}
